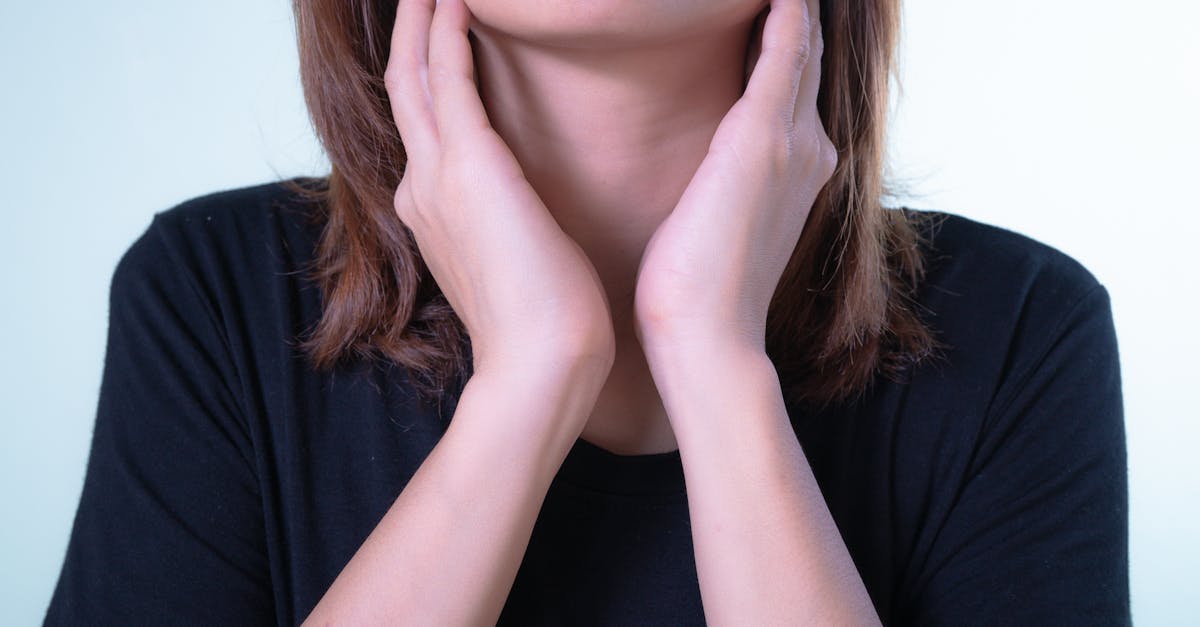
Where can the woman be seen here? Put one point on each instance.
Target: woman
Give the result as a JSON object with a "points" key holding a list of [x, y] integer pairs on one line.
{"points": [[663, 356]]}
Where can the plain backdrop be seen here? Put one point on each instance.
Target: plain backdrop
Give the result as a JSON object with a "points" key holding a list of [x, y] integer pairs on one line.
{"points": [[1073, 122]]}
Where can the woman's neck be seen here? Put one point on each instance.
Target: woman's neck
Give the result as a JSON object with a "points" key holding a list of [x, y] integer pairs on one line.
{"points": [[609, 137]]}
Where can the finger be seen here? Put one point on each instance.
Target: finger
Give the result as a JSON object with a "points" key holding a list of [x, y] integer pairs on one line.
{"points": [[406, 76], [810, 79], [403, 201], [456, 102], [776, 76]]}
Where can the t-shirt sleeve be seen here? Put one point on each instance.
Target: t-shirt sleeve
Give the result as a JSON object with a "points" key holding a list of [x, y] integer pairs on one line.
{"points": [[1039, 532], [169, 529]]}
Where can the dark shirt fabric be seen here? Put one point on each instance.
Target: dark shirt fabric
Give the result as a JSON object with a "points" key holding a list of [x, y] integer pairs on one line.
{"points": [[228, 483]]}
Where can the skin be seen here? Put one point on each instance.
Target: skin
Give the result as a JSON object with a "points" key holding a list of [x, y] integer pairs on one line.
{"points": [[588, 94], [646, 200]]}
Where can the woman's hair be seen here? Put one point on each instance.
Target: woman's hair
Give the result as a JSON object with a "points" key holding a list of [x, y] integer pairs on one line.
{"points": [[844, 307]]}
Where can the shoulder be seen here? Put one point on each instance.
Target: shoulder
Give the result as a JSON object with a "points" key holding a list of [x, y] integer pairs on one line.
{"points": [[235, 256], [233, 231], [1000, 300], [1015, 447], [994, 278], [983, 259], [237, 222]]}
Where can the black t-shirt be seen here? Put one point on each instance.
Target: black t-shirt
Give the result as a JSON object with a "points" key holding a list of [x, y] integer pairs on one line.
{"points": [[228, 483]]}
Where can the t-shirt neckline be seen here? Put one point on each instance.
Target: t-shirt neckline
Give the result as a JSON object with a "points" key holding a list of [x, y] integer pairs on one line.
{"points": [[590, 466]]}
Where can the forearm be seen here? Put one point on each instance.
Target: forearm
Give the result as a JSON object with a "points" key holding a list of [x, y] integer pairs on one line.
{"points": [[768, 552], [448, 549]]}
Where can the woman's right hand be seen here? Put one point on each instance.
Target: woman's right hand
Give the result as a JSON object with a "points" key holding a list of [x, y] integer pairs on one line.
{"points": [[522, 287]]}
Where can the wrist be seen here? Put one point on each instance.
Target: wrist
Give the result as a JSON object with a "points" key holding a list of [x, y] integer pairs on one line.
{"points": [[582, 352], [548, 400], [694, 355], [703, 383], [542, 371]]}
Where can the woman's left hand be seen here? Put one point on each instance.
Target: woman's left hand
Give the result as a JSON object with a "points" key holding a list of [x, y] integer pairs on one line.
{"points": [[709, 272]]}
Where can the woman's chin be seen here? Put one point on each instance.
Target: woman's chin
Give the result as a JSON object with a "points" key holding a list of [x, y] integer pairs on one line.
{"points": [[608, 23]]}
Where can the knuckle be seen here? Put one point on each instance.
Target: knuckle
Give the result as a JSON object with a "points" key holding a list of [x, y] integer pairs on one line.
{"points": [[404, 203], [827, 157], [412, 199], [800, 56]]}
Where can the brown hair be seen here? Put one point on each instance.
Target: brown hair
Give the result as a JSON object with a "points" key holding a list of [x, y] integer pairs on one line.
{"points": [[843, 310]]}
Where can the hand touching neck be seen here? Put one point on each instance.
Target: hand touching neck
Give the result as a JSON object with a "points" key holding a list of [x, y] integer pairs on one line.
{"points": [[610, 133]]}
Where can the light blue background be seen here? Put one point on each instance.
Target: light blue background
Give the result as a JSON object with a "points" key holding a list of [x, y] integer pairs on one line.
{"points": [[1072, 121]]}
